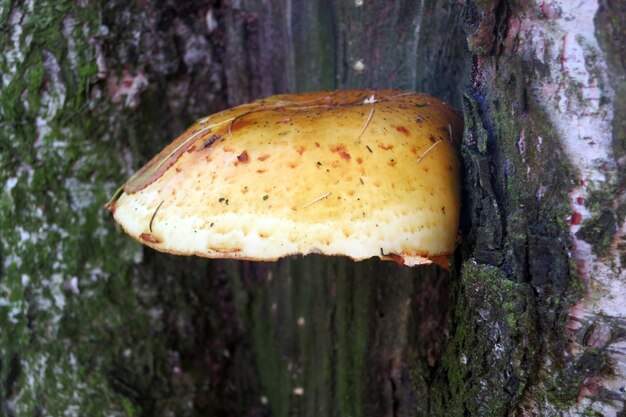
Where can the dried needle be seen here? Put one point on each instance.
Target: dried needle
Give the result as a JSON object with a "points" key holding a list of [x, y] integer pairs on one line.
{"points": [[430, 148], [316, 200], [367, 122]]}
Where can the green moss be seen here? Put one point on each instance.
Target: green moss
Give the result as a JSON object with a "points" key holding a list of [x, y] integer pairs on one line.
{"points": [[516, 278], [64, 292], [492, 342], [590, 412], [599, 231], [610, 30], [599, 198]]}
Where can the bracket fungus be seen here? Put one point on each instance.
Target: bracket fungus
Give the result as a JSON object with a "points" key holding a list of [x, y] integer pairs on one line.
{"points": [[359, 173]]}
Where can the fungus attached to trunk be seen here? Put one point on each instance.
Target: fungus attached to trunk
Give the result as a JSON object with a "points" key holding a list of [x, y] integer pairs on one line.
{"points": [[359, 173]]}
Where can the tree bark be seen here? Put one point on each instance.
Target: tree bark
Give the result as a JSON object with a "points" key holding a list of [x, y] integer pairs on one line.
{"points": [[530, 321], [544, 155]]}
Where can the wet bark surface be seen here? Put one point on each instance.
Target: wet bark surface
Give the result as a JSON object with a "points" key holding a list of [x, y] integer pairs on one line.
{"points": [[93, 324]]}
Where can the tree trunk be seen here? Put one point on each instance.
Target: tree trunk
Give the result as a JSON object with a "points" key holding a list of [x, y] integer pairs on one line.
{"points": [[530, 320]]}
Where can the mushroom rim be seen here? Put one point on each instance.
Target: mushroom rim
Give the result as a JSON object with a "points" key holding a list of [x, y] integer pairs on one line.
{"points": [[418, 259]]}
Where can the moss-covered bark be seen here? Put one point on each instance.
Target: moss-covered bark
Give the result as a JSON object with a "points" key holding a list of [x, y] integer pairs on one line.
{"points": [[57, 271], [87, 326], [515, 284], [515, 347]]}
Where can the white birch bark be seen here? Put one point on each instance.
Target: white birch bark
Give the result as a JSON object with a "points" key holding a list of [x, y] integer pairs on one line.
{"points": [[577, 95]]}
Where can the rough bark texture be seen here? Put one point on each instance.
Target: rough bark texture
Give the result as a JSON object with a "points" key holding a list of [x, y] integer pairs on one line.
{"points": [[92, 324], [545, 168]]}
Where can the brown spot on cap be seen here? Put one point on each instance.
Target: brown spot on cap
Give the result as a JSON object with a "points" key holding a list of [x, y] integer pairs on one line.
{"points": [[148, 237], [341, 150], [209, 142], [403, 130], [243, 157], [240, 124]]}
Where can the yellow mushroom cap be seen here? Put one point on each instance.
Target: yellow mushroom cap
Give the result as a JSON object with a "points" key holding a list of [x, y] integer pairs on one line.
{"points": [[360, 173]]}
